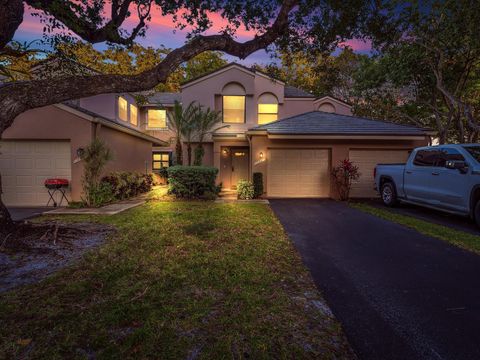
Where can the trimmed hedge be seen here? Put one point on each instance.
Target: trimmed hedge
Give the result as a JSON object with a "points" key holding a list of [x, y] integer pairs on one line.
{"points": [[128, 184], [192, 182]]}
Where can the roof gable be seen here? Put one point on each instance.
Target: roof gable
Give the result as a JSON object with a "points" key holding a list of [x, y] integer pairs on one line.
{"points": [[233, 65]]}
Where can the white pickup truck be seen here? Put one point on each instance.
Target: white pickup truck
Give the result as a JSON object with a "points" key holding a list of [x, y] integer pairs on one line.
{"points": [[444, 177]]}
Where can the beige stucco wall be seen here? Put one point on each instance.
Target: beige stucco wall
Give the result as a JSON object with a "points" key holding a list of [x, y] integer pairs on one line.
{"points": [[295, 106], [129, 153], [339, 149], [53, 123]]}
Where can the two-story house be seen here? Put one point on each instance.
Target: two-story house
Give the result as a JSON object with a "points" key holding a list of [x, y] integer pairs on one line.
{"points": [[287, 134]]}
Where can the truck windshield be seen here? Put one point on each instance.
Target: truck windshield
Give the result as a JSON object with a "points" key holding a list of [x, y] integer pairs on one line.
{"points": [[474, 151]]}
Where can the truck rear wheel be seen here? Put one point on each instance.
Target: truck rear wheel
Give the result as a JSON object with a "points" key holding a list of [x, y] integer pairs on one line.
{"points": [[389, 195]]}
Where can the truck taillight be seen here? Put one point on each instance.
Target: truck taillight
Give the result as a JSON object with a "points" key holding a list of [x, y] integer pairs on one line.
{"points": [[374, 172]]}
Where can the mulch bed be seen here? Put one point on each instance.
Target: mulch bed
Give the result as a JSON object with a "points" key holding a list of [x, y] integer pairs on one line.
{"points": [[30, 252]]}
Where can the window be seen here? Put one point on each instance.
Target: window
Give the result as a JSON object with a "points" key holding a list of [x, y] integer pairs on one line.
{"points": [[427, 157], [133, 115], [267, 113], [474, 151], [157, 119], [160, 160], [267, 108], [233, 109], [448, 154], [122, 109]]}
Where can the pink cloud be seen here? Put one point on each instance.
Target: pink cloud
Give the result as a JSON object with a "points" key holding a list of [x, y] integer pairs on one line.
{"points": [[357, 45]]}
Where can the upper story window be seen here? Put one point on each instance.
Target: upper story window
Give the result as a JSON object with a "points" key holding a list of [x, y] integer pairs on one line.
{"points": [[157, 119], [133, 115], [122, 109], [233, 100], [267, 108]]}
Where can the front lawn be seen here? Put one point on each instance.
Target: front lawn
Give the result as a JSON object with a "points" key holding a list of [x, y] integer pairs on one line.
{"points": [[456, 237], [178, 280]]}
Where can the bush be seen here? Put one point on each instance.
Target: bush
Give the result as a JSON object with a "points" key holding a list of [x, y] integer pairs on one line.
{"points": [[163, 173], [125, 185], [257, 185], [245, 190], [100, 195], [343, 175], [192, 182], [95, 156]]}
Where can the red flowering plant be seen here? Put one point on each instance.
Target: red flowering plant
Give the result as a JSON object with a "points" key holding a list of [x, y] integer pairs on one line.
{"points": [[343, 175]]}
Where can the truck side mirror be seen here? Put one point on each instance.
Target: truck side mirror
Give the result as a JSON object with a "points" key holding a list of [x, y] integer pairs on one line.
{"points": [[457, 165]]}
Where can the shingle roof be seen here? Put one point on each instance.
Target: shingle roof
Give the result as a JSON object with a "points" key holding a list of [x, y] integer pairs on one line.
{"points": [[323, 123], [293, 92], [164, 98]]}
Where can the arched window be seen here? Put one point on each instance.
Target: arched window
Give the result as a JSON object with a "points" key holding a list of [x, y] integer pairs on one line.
{"points": [[233, 103], [267, 108], [327, 107]]}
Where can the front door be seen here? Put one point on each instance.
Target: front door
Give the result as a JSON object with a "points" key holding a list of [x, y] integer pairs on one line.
{"points": [[239, 165]]}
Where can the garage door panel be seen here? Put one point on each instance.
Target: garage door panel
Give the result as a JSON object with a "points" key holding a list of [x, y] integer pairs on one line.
{"points": [[26, 164], [366, 160], [298, 173]]}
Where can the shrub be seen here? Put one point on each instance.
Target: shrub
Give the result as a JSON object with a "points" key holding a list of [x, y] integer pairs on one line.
{"points": [[343, 175], [163, 173], [257, 184], [101, 195], [128, 184], [245, 190], [95, 156], [192, 182]]}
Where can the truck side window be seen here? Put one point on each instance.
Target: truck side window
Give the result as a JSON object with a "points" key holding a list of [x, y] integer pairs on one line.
{"points": [[427, 158], [449, 154]]}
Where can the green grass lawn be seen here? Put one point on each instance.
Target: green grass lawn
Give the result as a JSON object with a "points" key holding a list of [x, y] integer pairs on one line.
{"points": [[178, 280], [456, 237]]}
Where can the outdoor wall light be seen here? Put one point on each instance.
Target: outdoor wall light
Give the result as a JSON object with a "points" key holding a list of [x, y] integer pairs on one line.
{"points": [[80, 152], [225, 152], [261, 155]]}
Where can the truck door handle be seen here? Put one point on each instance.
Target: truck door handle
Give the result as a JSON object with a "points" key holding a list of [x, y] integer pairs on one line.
{"points": [[408, 172], [435, 173]]}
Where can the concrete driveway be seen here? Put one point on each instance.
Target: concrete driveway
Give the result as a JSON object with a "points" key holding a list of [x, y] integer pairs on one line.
{"points": [[398, 294], [23, 213]]}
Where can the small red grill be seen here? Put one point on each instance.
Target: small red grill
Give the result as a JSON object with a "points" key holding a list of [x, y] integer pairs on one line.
{"points": [[54, 185]]}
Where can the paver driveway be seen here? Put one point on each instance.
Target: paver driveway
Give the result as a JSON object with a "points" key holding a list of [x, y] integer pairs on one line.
{"points": [[398, 294]]}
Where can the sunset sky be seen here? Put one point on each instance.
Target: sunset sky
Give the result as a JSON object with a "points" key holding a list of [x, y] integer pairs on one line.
{"points": [[162, 32]]}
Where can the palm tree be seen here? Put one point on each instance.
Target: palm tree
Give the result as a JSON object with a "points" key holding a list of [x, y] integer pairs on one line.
{"points": [[191, 127], [179, 120], [206, 122]]}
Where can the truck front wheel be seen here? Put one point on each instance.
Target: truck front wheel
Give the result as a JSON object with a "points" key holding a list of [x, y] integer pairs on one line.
{"points": [[389, 195]]}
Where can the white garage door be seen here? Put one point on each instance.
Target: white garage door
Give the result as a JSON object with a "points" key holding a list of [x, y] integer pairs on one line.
{"points": [[298, 173], [25, 165], [366, 160]]}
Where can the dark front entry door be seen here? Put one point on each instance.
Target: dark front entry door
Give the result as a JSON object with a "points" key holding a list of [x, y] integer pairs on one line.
{"points": [[239, 158]]}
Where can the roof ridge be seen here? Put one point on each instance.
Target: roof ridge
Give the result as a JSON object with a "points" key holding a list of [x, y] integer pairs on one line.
{"points": [[281, 120]]}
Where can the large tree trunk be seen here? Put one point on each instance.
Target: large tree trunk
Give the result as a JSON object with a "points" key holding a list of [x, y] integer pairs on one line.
{"points": [[6, 221]]}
